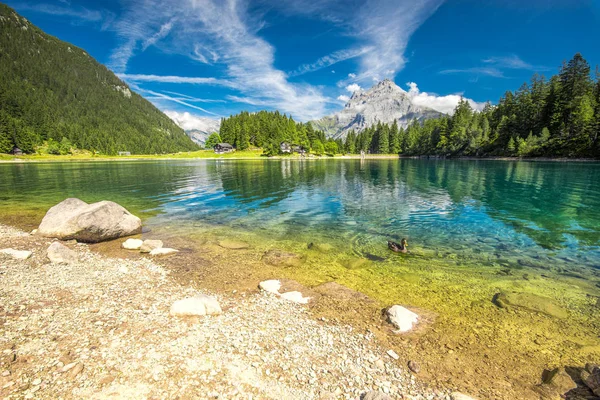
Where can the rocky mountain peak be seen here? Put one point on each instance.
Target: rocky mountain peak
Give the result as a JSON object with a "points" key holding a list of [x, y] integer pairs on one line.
{"points": [[384, 102]]}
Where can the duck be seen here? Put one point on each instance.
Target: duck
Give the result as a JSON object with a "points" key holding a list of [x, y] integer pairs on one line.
{"points": [[401, 247]]}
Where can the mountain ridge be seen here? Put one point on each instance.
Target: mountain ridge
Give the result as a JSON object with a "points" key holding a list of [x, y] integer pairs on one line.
{"points": [[51, 89], [384, 102]]}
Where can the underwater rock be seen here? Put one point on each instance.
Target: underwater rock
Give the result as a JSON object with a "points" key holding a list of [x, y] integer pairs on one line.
{"points": [[132, 244], [530, 302], [592, 379], [356, 263], [280, 258], [150, 245], [401, 318], [322, 247], [163, 251], [557, 380], [233, 244], [341, 292]]}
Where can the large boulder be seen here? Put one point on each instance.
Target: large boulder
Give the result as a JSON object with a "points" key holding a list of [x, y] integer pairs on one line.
{"points": [[92, 223], [58, 253]]}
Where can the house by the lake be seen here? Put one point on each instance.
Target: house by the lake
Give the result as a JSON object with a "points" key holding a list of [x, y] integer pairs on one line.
{"points": [[16, 151], [298, 149], [222, 148], [285, 147], [124, 153]]}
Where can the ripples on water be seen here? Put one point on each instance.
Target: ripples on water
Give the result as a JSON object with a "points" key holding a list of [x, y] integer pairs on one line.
{"points": [[526, 212]]}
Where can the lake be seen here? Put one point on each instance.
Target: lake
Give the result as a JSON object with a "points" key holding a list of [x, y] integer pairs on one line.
{"points": [[495, 212]]}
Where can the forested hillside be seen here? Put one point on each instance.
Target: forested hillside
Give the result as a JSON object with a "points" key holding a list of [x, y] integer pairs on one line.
{"points": [[267, 130], [50, 90], [559, 116]]}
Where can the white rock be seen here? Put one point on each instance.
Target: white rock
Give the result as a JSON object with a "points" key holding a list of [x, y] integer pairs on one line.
{"points": [[295, 297], [18, 254], [393, 354], [195, 306], [270, 286], [163, 251], [75, 219], [33, 232], [132, 244], [460, 396], [58, 253], [150, 244], [402, 318]]}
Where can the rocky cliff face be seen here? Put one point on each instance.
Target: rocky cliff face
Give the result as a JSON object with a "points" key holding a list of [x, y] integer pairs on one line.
{"points": [[384, 102], [200, 134]]}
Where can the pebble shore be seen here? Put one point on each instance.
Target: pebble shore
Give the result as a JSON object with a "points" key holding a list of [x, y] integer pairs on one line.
{"points": [[100, 328]]}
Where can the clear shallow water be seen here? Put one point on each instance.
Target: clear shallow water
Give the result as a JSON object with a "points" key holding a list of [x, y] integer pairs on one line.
{"points": [[538, 214]]}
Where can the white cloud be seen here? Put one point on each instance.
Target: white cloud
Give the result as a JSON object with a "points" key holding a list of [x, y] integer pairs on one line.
{"points": [[445, 104], [351, 75], [328, 60], [184, 102], [513, 61], [344, 98], [353, 88], [162, 33], [78, 12], [189, 121], [489, 71], [173, 79]]}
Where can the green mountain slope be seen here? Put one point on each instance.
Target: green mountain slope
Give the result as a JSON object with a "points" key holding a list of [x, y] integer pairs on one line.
{"points": [[50, 89]]}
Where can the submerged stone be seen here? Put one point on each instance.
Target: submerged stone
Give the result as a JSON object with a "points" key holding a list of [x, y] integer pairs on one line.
{"points": [[280, 258], [530, 302], [132, 244], [233, 244], [149, 245], [322, 247], [356, 263]]}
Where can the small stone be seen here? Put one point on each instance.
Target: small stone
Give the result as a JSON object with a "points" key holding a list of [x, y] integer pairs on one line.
{"points": [[461, 396], [132, 244], [163, 251], [393, 354], [196, 306], [6, 373], [414, 366], [68, 367], [380, 364], [58, 253], [150, 245], [270, 286], [36, 382], [375, 396], [295, 297], [233, 244], [402, 318], [17, 254], [33, 232], [76, 370]]}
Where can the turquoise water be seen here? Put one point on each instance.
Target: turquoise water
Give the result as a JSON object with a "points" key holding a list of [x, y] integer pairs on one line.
{"points": [[510, 213]]}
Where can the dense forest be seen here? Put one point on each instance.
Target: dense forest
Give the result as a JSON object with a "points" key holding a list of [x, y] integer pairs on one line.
{"points": [[268, 129], [55, 93], [559, 116]]}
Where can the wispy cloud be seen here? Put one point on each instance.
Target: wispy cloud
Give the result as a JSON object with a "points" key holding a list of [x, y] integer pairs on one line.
{"points": [[445, 104], [513, 62], [66, 10], [488, 71], [173, 79], [162, 96], [329, 60]]}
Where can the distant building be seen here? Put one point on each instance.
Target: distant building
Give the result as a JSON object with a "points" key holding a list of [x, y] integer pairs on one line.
{"points": [[285, 147], [298, 149], [124, 153], [16, 151], [222, 148]]}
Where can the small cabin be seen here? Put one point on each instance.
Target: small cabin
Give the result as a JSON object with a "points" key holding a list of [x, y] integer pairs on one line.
{"points": [[285, 147], [16, 151], [298, 149], [124, 153], [222, 148]]}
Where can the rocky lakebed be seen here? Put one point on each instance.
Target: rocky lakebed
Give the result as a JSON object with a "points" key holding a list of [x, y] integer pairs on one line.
{"points": [[78, 323]]}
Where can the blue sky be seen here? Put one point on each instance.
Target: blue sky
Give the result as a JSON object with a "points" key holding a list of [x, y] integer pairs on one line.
{"points": [[203, 58]]}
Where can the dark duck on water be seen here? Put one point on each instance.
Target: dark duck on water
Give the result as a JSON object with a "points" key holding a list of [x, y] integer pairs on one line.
{"points": [[401, 247]]}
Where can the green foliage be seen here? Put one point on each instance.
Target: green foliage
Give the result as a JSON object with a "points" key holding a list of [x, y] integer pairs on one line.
{"points": [[267, 129], [212, 140], [318, 147], [50, 89], [53, 147], [331, 147]]}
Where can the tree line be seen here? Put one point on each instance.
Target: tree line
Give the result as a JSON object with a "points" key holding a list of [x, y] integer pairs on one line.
{"points": [[559, 116]]}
